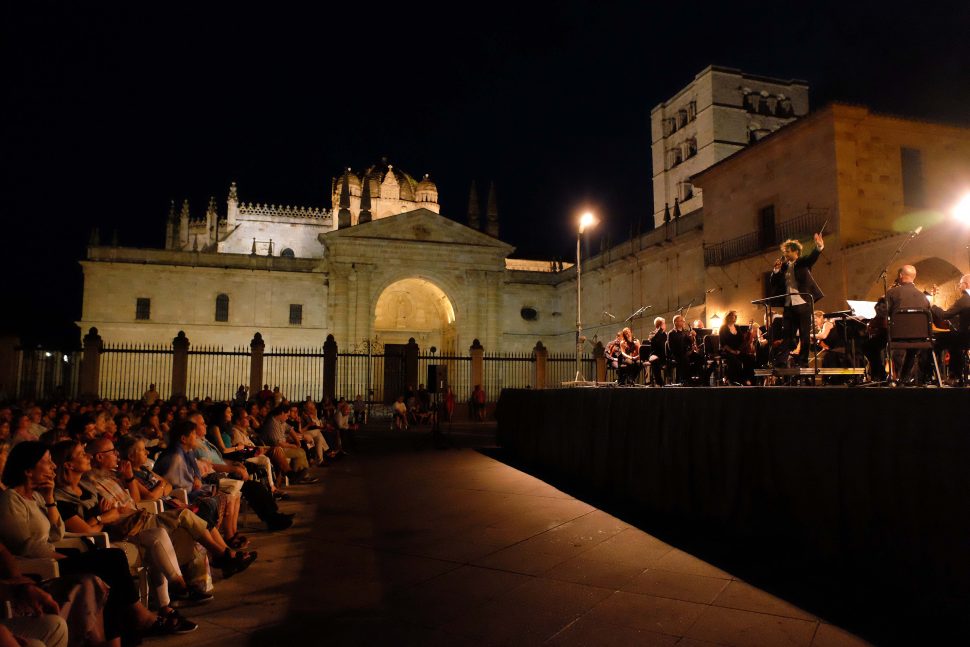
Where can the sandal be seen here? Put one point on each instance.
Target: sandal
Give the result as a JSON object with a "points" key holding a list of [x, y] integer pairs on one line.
{"points": [[237, 542], [170, 623]]}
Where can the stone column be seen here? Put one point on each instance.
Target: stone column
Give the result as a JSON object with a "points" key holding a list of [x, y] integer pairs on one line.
{"points": [[91, 365], [477, 352], [180, 364], [541, 354], [411, 363], [330, 368], [256, 348], [599, 354]]}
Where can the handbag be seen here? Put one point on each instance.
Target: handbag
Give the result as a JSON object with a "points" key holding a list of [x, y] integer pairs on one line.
{"points": [[129, 526]]}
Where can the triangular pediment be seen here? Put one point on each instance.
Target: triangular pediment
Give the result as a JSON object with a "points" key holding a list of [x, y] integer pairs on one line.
{"points": [[419, 226]]}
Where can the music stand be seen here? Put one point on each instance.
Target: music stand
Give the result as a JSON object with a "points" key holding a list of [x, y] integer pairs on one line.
{"points": [[766, 302]]}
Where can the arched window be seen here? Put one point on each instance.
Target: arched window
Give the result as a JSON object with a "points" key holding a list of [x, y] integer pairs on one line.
{"points": [[222, 307], [287, 253]]}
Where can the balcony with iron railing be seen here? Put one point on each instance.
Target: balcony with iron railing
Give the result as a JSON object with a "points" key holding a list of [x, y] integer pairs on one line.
{"points": [[757, 242]]}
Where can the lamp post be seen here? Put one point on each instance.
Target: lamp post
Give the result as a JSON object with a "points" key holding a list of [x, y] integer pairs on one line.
{"points": [[586, 221]]}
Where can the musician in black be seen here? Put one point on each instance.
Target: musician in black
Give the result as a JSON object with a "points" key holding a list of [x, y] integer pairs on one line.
{"points": [[793, 274], [905, 296], [738, 362], [684, 352], [629, 358], [961, 309], [658, 351]]}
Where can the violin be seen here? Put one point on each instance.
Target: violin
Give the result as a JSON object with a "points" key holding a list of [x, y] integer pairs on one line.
{"points": [[750, 344]]}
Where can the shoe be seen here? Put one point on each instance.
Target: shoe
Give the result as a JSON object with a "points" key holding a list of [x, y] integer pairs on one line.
{"points": [[279, 522], [280, 495], [170, 624], [307, 480], [237, 541], [191, 597], [238, 564]]}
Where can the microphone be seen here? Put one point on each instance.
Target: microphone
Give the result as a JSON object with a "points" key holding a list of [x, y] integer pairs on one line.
{"points": [[609, 315]]}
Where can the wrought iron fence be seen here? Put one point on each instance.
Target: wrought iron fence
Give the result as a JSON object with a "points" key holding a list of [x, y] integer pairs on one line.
{"points": [[459, 373], [128, 369], [47, 374], [297, 371], [360, 373], [756, 242], [561, 367], [507, 370], [217, 373]]}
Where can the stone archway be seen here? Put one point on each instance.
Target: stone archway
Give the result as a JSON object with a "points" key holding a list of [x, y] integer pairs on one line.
{"points": [[418, 308], [929, 272]]}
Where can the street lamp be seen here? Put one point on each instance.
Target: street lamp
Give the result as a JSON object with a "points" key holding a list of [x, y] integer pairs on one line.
{"points": [[586, 221]]}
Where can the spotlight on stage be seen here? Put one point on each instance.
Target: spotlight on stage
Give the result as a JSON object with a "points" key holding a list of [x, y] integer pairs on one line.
{"points": [[962, 209], [716, 322]]}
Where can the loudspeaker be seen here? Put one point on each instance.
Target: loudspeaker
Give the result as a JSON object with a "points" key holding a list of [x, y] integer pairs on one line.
{"points": [[437, 378]]}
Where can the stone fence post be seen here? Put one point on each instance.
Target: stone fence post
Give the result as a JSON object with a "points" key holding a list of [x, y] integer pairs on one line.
{"points": [[256, 348], [599, 354], [180, 365], [477, 352], [91, 365], [411, 364], [330, 368], [541, 354]]}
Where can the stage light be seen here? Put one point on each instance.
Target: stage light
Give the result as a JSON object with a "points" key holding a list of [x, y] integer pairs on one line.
{"points": [[586, 221], [962, 209], [715, 322]]}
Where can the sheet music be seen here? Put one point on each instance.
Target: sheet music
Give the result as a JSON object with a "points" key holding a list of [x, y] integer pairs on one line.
{"points": [[863, 309]]}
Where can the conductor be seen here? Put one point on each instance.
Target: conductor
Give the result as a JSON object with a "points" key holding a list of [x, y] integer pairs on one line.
{"points": [[793, 274]]}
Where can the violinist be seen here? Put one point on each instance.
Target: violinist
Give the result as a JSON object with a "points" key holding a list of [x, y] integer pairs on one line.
{"points": [[828, 341], [612, 352], [629, 357], [684, 350], [961, 309]]}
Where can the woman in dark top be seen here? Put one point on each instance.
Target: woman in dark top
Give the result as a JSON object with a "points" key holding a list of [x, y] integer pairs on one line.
{"points": [[738, 365]]}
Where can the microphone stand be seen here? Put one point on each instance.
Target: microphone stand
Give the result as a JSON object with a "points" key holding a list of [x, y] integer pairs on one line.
{"points": [[892, 377]]}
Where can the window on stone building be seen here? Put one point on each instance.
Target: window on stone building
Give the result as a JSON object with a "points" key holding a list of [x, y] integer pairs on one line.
{"points": [[287, 253], [143, 308], [686, 191], [222, 307], [674, 157], [914, 193], [751, 102], [692, 111], [783, 107], [296, 314], [681, 118], [670, 126], [529, 314], [766, 226], [690, 148]]}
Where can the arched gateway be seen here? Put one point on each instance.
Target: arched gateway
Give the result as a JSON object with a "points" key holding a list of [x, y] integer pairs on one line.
{"points": [[416, 308]]}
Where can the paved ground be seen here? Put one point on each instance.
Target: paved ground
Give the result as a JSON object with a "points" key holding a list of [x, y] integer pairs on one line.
{"points": [[407, 545]]}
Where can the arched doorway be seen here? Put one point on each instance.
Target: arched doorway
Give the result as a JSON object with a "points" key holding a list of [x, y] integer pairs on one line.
{"points": [[416, 307]]}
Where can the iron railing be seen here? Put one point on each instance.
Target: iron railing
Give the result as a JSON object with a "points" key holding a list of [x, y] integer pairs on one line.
{"points": [[217, 373], [297, 371], [756, 242], [44, 374], [128, 369], [507, 370]]}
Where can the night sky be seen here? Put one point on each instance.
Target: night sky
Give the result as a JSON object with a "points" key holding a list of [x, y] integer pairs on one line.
{"points": [[113, 110]]}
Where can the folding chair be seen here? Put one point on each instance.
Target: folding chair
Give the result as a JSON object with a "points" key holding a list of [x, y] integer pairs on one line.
{"points": [[912, 328]]}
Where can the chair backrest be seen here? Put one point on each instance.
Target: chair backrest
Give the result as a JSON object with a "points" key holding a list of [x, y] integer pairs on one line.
{"points": [[712, 345], [911, 328]]}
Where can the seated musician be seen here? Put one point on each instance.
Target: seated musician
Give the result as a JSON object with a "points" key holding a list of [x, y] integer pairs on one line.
{"points": [[629, 358], [684, 351], [658, 351], [612, 352], [905, 296], [738, 364], [958, 351], [828, 342]]}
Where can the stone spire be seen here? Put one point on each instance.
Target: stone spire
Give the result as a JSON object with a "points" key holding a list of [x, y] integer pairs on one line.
{"points": [[474, 220], [170, 226], [365, 215], [232, 207], [211, 222], [676, 208], [343, 216], [491, 213], [666, 212], [184, 225]]}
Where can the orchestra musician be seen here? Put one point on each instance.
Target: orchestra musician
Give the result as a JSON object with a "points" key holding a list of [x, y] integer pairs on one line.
{"points": [[684, 351], [961, 309], [739, 363], [904, 296], [629, 358], [828, 341], [658, 351], [790, 275]]}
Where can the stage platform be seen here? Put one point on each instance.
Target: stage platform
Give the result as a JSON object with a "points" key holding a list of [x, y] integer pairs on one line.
{"points": [[874, 479]]}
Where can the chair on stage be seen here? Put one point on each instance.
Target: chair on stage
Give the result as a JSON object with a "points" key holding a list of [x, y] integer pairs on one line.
{"points": [[714, 363], [912, 329]]}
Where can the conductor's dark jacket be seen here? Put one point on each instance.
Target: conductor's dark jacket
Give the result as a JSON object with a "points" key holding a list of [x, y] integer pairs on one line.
{"points": [[804, 280]]}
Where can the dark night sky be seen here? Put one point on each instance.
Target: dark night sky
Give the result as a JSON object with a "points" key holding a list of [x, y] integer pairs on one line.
{"points": [[113, 110]]}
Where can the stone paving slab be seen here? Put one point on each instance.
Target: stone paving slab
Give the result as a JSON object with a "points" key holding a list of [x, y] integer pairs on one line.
{"points": [[451, 547]]}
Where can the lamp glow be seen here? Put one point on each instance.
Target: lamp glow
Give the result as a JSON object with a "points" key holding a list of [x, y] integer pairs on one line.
{"points": [[962, 209], [715, 322], [586, 221]]}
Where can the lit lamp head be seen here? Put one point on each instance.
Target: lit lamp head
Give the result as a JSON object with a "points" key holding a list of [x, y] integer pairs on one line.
{"points": [[716, 322], [586, 221], [962, 209]]}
